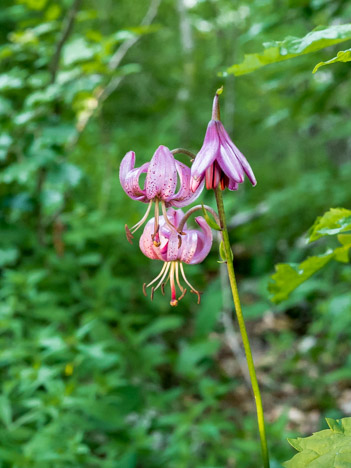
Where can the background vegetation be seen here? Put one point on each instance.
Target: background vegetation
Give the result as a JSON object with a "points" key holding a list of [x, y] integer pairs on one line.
{"points": [[93, 373]]}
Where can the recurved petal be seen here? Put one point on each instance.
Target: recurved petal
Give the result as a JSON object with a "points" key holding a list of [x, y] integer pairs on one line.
{"points": [[185, 195], [175, 216], [129, 177], [207, 153], [131, 184], [243, 161], [173, 247], [127, 164], [204, 241], [161, 178], [146, 244], [189, 246]]}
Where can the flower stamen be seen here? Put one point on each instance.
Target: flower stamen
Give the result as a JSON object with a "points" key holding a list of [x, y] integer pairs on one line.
{"points": [[131, 231], [168, 222], [162, 273], [192, 289]]}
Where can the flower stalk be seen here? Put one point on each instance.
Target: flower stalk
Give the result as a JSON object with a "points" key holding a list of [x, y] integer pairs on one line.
{"points": [[242, 327]]}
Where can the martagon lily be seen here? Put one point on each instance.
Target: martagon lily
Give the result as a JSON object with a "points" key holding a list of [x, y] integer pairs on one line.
{"points": [[191, 247], [162, 174], [219, 161]]}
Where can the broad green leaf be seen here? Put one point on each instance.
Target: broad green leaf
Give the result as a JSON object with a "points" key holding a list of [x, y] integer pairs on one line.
{"points": [[342, 56], [289, 276], [291, 47], [78, 50], [324, 449], [333, 222]]}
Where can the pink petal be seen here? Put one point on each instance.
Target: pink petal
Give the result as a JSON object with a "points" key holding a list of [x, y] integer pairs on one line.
{"points": [[161, 179], [189, 245], [173, 247], [233, 185], [185, 195], [229, 164], [129, 177], [207, 153], [175, 216], [243, 161], [146, 244], [204, 242], [194, 183], [131, 184], [127, 164]]}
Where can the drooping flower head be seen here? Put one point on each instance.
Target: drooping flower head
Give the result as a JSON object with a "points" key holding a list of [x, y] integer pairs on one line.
{"points": [[191, 247], [219, 161], [162, 174]]}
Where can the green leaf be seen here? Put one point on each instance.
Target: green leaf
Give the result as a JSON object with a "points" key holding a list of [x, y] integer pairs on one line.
{"points": [[342, 56], [78, 50], [289, 276], [291, 47], [333, 222], [210, 221], [324, 449]]}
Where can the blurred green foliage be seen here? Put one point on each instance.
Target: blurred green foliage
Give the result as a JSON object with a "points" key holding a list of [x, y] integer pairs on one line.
{"points": [[92, 373]]}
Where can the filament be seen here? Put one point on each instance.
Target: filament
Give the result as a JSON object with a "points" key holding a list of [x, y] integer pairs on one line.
{"points": [[164, 212], [143, 219], [192, 289], [158, 276]]}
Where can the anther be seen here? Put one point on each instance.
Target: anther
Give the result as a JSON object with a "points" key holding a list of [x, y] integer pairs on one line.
{"points": [[179, 242], [198, 295], [152, 293], [183, 294], [144, 289], [129, 235], [163, 289]]}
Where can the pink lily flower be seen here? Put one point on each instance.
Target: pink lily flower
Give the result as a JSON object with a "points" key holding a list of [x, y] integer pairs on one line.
{"points": [[219, 161], [162, 174], [191, 247]]}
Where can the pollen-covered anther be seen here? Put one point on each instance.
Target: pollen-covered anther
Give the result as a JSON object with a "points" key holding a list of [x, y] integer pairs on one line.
{"points": [[174, 302], [129, 235]]}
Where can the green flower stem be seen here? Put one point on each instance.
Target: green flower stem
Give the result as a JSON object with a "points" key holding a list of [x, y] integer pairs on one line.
{"points": [[244, 336]]}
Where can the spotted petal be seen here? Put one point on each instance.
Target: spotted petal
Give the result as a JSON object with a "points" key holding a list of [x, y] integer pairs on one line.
{"points": [[189, 246], [204, 241], [129, 177], [146, 242], [161, 178], [185, 195]]}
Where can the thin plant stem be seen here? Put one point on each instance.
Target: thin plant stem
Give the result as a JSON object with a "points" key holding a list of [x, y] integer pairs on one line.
{"points": [[242, 327], [191, 155]]}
